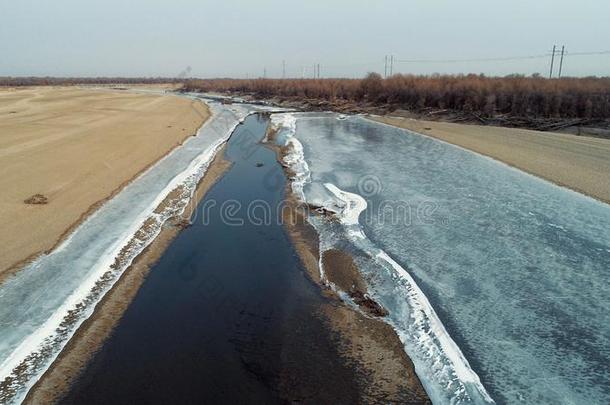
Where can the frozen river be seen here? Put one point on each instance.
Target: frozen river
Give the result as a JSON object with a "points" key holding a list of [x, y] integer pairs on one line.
{"points": [[498, 282]]}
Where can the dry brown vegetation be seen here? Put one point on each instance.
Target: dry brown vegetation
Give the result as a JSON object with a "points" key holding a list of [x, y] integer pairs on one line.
{"points": [[517, 96]]}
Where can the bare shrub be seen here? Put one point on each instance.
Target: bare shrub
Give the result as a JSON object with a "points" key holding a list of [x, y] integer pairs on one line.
{"points": [[513, 95]]}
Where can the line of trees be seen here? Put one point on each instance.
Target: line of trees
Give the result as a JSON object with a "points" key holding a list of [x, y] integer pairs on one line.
{"points": [[69, 81], [513, 95]]}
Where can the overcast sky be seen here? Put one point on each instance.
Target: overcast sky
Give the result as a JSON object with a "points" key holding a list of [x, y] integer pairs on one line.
{"points": [[347, 38]]}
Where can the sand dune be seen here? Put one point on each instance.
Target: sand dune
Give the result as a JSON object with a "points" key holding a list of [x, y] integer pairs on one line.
{"points": [[577, 162], [76, 147]]}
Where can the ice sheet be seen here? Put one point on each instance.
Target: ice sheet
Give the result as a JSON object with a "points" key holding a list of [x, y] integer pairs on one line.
{"points": [[514, 268]]}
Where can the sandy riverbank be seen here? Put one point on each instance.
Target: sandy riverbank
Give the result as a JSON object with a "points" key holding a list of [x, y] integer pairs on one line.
{"points": [[91, 335], [576, 162], [77, 148], [369, 344]]}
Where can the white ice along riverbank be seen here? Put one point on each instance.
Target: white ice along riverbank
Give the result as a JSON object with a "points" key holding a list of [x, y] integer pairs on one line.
{"points": [[496, 281], [444, 371], [42, 306]]}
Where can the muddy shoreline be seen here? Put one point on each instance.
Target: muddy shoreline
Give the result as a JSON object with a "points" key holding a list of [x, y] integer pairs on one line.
{"points": [[364, 339], [56, 381]]}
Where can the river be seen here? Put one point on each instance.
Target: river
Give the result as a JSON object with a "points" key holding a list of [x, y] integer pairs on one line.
{"points": [[227, 314]]}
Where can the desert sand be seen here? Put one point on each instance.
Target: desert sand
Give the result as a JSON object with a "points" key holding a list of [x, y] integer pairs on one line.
{"points": [[76, 147], [576, 162]]}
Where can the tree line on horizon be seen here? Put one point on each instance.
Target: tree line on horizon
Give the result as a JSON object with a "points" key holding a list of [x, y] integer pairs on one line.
{"points": [[514, 95], [10, 81]]}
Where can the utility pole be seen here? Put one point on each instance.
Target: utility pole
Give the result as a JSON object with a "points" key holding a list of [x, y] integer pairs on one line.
{"points": [[264, 73], [563, 48], [552, 61], [385, 67], [283, 69], [314, 71], [318, 70], [391, 65]]}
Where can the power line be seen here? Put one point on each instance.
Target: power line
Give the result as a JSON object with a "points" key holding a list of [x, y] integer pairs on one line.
{"points": [[388, 62], [589, 53], [471, 60], [499, 59], [495, 59]]}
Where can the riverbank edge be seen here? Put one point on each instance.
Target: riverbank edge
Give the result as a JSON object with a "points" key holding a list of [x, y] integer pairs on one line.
{"points": [[364, 339], [389, 121], [20, 264], [92, 334], [341, 106]]}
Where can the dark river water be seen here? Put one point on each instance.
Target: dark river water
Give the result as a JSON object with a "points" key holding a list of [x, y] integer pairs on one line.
{"points": [[227, 315]]}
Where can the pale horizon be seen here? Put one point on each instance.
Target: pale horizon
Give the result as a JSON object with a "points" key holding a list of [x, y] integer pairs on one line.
{"points": [[347, 39]]}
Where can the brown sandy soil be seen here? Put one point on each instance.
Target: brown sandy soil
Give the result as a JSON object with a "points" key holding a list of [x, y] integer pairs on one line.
{"points": [[157, 87], [94, 331], [577, 162], [339, 267], [373, 347], [76, 147], [370, 345], [341, 270]]}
